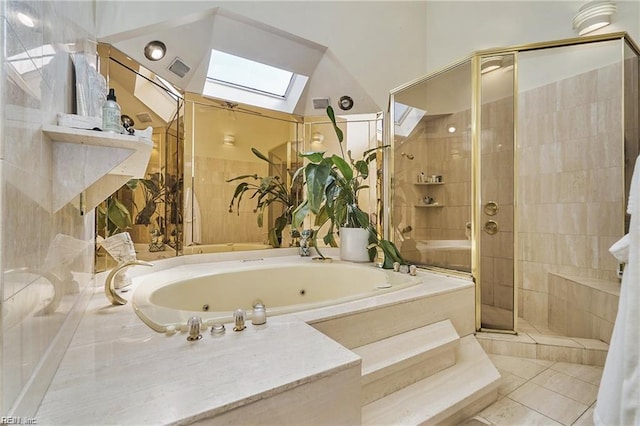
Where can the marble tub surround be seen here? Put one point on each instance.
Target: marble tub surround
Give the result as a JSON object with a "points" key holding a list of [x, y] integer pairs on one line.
{"points": [[170, 380], [119, 371]]}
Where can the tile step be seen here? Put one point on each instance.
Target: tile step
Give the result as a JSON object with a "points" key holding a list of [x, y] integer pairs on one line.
{"points": [[449, 396], [398, 361]]}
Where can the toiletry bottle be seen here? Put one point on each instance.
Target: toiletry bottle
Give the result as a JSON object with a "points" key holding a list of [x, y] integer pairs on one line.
{"points": [[111, 114], [422, 177]]}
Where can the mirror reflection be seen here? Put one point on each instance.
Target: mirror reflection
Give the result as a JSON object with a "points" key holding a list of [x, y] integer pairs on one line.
{"points": [[220, 176]]}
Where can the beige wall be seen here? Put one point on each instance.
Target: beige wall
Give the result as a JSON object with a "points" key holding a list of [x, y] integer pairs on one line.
{"points": [[35, 264]]}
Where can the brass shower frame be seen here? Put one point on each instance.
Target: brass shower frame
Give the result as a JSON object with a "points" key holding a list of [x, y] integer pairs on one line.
{"points": [[476, 209]]}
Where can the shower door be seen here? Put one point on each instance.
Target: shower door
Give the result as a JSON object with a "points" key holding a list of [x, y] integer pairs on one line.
{"points": [[495, 185]]}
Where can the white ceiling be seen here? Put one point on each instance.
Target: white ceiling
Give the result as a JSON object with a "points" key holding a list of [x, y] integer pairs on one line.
{"points": [[192, 37]]}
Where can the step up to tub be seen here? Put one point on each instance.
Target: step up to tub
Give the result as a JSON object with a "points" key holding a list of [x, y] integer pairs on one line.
{"points": [[447, 397], [398, 361]]}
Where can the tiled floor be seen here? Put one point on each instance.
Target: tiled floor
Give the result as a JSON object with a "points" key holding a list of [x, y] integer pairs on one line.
{"points": [[539, 392]]}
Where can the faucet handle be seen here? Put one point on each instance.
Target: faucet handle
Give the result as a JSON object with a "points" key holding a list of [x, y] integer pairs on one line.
{"points": [[238, 316], [193, 326]]}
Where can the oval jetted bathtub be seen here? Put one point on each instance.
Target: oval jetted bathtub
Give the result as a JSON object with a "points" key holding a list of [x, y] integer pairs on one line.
{"points": [[214, 290]]}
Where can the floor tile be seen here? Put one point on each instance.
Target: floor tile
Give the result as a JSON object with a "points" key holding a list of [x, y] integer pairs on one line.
{"points": [[558, 407], [521, 367], [571, 387], [586, 419], [509, 412], [509, 383], [587, 373]]}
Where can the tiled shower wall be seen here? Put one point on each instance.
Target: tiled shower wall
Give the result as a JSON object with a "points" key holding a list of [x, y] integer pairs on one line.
{"points": [[435, 151], [46, 256], [570, 183]]}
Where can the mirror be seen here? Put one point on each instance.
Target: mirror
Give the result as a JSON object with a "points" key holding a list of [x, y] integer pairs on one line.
{"points": [[185, 204]]}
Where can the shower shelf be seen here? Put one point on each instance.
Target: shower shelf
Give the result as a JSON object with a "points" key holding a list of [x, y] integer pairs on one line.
{"points": [[94, 163], [428, 206], [428, 183]]}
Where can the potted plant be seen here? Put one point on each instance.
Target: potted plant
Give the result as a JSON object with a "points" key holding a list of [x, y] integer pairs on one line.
{"points": [[332, 188], [268, 191]]}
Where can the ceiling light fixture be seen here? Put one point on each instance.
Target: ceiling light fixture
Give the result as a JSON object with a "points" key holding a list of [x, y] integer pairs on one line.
{"points": [[155, 50], [594, 15], [451, 128], [491, 63]]}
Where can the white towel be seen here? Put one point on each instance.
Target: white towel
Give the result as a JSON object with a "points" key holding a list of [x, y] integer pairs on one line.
{"points": [[618, 400], [191, 219]]}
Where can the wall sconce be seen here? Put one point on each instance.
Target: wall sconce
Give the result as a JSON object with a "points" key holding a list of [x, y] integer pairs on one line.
{"points": [[594, 15], [26, 20], [490, 64], [317, 138], [155, 50], [229, 139]]}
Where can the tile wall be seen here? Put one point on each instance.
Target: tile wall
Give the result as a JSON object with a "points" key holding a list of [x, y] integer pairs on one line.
{"points": [[214, 194], [46, 256], [570, 192]]}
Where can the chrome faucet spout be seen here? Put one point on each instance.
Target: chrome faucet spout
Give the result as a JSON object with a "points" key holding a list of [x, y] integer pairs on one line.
{"points": [[109, 288]]}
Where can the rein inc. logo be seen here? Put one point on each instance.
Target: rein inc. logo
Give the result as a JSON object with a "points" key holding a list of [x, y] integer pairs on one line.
{"points": [[17, 420]]}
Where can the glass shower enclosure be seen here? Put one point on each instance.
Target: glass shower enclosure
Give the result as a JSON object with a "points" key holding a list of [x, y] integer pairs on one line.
{"points": [[512, 165]]}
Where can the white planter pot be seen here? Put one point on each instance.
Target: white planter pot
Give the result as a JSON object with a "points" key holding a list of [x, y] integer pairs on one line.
{"points": [[353, 244]]}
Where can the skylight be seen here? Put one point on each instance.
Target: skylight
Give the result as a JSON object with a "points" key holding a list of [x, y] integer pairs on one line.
{"points": [[245, 81], [248, 74]]}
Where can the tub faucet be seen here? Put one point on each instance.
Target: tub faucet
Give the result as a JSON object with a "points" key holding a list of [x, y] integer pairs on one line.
{"points": [[193, 327], [305, 242], [109, 288]]}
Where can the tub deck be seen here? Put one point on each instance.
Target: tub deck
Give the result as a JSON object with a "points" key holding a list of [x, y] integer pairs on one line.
{"points": [[118, 370]]}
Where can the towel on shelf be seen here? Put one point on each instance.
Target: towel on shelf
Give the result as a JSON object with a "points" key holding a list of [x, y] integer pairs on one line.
{"points": [[618, 400]]}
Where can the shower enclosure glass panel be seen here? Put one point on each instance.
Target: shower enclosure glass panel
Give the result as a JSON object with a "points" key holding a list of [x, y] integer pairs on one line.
{"points": [[571, 174], [548, 143], [496, 201], [431, 180], [631, 118]]}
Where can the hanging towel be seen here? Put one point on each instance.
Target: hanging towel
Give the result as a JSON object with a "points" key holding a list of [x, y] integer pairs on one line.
{"points": [[191, 219], [618, 400]]}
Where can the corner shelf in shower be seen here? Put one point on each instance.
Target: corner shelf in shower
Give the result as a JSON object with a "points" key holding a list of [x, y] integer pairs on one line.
{"points": [[428, 206], [428, 183], [94, 163]]}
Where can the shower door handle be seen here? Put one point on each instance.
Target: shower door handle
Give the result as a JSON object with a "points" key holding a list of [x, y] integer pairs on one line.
{"points": [[491, 227]]}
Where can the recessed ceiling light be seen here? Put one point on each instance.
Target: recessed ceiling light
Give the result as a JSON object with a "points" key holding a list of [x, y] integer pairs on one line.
{"points": [[26, 20], [155, 50]]}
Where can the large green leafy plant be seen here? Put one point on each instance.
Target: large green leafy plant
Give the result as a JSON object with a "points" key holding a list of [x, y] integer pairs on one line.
{"points": [[267, 191], [333, 184]]}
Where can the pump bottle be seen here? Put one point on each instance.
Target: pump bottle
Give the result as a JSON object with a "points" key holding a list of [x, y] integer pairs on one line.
{"points": [[111, 114]]}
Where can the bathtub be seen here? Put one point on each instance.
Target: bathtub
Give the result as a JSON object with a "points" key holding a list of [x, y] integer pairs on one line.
{"points": [[223, 248], [453, 254], [214, 290]]}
